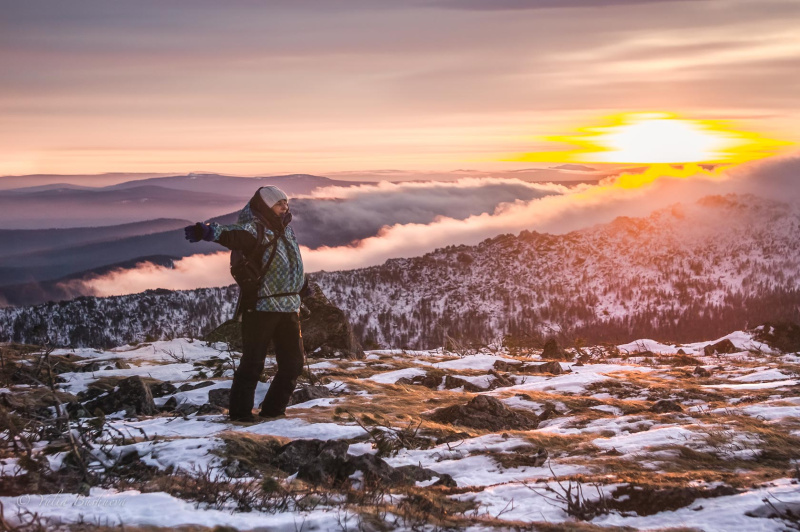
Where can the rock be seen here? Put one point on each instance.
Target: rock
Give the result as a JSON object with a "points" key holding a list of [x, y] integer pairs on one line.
{"points": [[681, 352], [327, 329], [327, 463], [186, 409], [296, 453], [666, 405], [160, 389], [501, 365], [783, 336], [320, 462], [229, 332], [376, 469], [309, 393], [195, 386], [723, 347], [700, 371], [413, 474], [130, 457], [549, 412], [451, 382], [430, 380], [328, 326], [90, 367], [98, 388], [554, 368], [132, 395], [120, 364], [170, 405], [219, 397], [209, 409], [499, 381], [486, 413], [553, 352]]}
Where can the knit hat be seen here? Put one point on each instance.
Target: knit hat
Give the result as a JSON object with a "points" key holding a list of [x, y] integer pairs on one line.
{"points": [[272, 195]]}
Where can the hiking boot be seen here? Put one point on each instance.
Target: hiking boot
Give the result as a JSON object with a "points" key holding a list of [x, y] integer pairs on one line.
{"points": [[246, 418], [264, 416]]}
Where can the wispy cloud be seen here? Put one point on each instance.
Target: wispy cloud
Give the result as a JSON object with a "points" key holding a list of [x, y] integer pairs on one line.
{"points": [[304, 86]]}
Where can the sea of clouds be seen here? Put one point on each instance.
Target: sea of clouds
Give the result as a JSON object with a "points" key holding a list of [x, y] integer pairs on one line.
{"points": [[550, 208]]}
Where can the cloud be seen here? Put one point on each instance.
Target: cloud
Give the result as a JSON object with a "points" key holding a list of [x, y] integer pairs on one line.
{"points": [[774, 178], [582, 206], [196, 271], [568, 210], [505, 5], [385, 188], [335, 216]]}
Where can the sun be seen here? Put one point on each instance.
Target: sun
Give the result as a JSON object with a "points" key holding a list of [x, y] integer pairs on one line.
{"points": [[661, 139], [658, 138]]}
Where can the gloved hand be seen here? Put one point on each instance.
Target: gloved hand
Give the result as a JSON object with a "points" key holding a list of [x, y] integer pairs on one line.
{"points": [[199, 231], [286, 218]]}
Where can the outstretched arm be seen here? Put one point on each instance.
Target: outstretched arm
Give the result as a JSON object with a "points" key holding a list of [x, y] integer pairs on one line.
{"points": [[230, 236]]}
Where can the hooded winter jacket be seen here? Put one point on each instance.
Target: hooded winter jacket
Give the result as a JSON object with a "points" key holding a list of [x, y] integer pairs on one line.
{"points": [[285, 274]]}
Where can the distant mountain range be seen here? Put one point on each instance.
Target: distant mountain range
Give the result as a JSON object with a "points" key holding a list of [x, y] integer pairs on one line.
{"points": [[32, 260], [194, 196], [683, 273]]}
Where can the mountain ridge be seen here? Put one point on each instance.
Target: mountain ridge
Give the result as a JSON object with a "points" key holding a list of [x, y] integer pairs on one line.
{"points": [[683, 273]]}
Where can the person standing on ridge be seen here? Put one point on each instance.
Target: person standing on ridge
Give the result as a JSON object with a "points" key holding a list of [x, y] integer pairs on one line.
{"points": [[270, 313]]}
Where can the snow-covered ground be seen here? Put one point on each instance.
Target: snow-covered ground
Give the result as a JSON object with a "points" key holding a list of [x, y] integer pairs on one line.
{"points": [[604, 424]]}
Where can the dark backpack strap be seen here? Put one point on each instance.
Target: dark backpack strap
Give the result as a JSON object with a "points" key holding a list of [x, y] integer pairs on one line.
{"points": [[274, 244], [260, 248]]}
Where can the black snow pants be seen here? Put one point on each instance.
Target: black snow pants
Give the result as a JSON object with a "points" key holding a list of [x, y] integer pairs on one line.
{"points": [[258, 329]]}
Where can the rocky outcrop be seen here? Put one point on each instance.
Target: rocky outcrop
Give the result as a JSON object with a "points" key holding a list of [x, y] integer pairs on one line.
{"points": [[552, 351], [485, 413], [783, 336], [327, 463], [431, 380], [723, 347], [327, 333], [309, 393], [132, 395], [553, 367], [219, 397], [451, 382]]}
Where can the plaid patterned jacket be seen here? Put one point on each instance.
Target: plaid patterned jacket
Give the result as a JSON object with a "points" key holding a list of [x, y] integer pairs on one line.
{"points": [[285, 274]]}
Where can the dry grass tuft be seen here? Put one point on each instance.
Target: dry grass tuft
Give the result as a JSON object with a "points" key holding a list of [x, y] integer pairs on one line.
{"points": [[250, 452]]}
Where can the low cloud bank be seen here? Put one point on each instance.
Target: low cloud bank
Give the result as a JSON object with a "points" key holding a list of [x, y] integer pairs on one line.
{"points": [[560, 210], [337, 216], [196, 271]]}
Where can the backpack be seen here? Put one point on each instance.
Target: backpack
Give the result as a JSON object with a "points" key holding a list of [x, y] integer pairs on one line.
{"points": [[246, 269]]}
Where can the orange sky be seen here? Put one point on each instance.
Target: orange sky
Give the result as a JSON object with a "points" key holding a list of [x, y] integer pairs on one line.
{"points": [[312, 86]]}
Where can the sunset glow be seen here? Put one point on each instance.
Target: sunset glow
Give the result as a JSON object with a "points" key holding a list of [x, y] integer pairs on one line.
{"points": [[659, 138]]}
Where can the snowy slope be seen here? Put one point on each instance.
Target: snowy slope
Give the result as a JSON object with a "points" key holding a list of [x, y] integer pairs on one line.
{"points": [[709, 466], [680, 273]]}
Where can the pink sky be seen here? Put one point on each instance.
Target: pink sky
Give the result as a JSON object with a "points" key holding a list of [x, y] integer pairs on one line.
{"points": [[313, 86]]}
